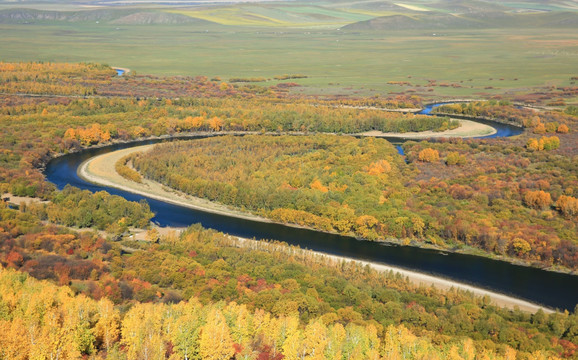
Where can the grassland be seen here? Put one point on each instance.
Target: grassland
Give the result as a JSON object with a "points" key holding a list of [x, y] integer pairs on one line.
{"points": [[266, 40]]}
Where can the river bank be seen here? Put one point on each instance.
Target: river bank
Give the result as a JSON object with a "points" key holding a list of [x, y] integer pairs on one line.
{"points": [[467, 129], [417, 278], [100, 170]]}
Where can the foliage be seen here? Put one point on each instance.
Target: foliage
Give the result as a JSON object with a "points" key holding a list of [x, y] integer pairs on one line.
{"points": [[355, 186], [428, 155], [52, 78], [43, 321], [538, 199], [544, 143], [542, 122], [326, 182], [73, 207], [338, 309], [39, 128], [500, 193], [568, 205], [454, 158], [125, 171], [272, 280]]}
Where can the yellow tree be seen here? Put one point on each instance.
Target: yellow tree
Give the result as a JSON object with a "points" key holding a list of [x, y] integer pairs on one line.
{"points": [[107, 327], [292, 348], [428, 155], [379, 167], [317, 185], [534, 145], [215, 342], [240, 320], [54, 341], [13, 336], [315, 341], [215, 124], [186, 327], [142, 332], [562, 129], [70, 134], [540, 129], [538, 199], [568, 205], [336, 337]]}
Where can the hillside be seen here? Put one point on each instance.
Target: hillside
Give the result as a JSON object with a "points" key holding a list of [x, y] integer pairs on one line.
{"points": [[109, 16], [469, 21]]}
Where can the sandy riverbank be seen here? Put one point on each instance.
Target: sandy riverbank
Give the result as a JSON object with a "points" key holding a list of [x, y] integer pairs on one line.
{"points": [[467, 129], [500, 300], [100, 170]]}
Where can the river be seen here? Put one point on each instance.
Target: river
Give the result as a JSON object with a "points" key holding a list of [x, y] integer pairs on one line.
{"points": [[551, 289]]}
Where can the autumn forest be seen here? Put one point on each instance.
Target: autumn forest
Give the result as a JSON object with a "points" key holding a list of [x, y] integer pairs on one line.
{"points": [[75, 283]]}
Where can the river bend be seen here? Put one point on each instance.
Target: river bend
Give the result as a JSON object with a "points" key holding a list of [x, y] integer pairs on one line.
{"points": [[551, 289]]}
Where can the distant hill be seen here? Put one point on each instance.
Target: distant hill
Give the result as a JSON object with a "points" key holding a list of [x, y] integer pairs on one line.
{"points": [[112, 16], [483, 20], [146, 18]]}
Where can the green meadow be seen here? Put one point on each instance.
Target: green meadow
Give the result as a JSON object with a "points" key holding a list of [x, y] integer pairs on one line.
{"points": [[248, 41]]}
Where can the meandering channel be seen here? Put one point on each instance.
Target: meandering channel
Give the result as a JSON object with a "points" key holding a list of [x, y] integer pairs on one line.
{"points": [[551, 289]]}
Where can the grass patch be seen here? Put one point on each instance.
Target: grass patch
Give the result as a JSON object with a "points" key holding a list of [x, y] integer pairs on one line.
{"points": [[481, 62]]}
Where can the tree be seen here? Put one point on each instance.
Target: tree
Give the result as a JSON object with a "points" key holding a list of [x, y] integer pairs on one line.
{"points": [[540, 129], [521, 246], [534, 145], [551, 143], [568, 205], [454, 158], [186, 329], [12, 339], [142, 332], [379, 167], [538, 199], [107, 329], [70, 134], [315, 341], [317, 185], [428, 155], [215, 342], [215, 124], [562, 129]]}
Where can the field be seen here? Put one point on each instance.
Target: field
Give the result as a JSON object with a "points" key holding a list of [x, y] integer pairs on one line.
{"points": [[248, 41]]}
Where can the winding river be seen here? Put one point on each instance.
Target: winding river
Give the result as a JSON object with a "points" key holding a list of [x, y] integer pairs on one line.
{"points": [[551, 289]]}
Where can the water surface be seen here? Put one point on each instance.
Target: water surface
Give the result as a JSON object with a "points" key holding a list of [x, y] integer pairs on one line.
{"points": [[551, 289]]}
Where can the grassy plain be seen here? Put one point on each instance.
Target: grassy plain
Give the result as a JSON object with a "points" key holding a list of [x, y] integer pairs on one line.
{"points": [[262, 43]]}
